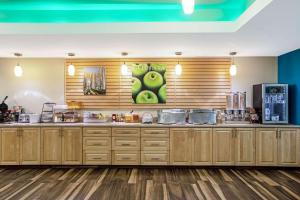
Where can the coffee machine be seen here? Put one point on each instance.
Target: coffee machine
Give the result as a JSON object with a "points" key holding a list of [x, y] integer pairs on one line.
{"points": [[4, 114]]}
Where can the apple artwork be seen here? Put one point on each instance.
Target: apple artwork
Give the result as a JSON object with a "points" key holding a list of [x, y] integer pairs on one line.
{"points": [[136, 86], [146, 97], [153, 80], [162, 93], [139, 70], [160, 68], [148, 83]]}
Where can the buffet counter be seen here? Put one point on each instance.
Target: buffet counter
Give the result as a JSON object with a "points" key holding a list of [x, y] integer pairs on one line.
{"points": [[140, 125], [150, 144]]}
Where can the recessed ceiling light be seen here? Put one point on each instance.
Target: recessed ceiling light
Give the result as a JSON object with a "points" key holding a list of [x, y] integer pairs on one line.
{"points": [[188, 6]]}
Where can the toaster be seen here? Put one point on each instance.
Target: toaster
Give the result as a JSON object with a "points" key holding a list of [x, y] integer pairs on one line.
{"points": [[147, 118]]}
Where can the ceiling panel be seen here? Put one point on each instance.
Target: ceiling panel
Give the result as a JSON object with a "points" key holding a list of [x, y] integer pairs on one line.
{"points": [[110, 11]]}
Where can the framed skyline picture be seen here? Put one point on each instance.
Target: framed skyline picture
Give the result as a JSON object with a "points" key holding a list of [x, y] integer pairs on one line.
{"points": [[94, 81], [149, 83]]}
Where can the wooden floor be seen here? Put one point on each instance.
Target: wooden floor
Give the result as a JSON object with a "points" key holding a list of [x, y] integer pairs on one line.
{"points": [[149, 183]]}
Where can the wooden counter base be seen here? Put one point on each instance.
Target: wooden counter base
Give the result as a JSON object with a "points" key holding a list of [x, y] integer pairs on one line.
{"points": [[188, 146]]}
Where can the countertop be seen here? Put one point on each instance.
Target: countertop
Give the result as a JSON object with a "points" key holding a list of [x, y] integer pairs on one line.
{"points": [[139, 125]]}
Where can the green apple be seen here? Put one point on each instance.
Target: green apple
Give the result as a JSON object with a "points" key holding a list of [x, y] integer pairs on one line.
{"points": [[136, 85], [165, 76], [139, 70], [162, 93], [146, 97], [160, 68], [153, 80]]}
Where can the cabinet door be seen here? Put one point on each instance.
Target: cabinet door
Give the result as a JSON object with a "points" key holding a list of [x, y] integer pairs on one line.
{"points": [[245, 146], [51, 146], [30, 140], [10, 146], [288, 147], [126, 157], [154, 158], [180, 146], [266, 146], [100, 157], [223, 146], [202, 146], [72, 146]]}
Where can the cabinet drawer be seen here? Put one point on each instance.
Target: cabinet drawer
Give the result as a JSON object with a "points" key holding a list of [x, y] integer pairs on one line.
{"points": [[97, 157], [155, 132], [155, 158], [156, 144], [95, 143], [126, 157], [97, 132], [128, 132], [125, 143]]}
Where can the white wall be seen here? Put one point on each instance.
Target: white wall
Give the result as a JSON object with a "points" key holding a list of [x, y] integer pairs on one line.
{"points": [[43, 80], [254, 70]]}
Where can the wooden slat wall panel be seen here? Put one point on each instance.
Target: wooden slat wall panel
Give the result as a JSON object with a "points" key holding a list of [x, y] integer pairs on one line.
{"points": [[203, 83]]}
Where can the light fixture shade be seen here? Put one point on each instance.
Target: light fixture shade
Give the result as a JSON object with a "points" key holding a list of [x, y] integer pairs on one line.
{"points": [[233, 70], [178, 69], [188, 6], [18, 71], [71, 70], [124, 69]]}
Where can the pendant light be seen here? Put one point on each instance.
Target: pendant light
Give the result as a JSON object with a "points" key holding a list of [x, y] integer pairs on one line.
{"points": [[71, 67], [188, 6], [124, 68], [178, 67], [233, 68], [18, 69]]}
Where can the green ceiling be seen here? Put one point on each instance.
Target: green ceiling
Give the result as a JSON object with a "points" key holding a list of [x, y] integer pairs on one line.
{"points": [[108, 11]]}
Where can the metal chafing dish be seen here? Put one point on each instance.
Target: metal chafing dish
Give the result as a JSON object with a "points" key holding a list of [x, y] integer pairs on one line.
{"points": [[172, 116], [202, 116]]}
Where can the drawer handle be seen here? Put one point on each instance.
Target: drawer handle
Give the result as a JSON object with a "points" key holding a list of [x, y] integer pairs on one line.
{"points": [[96, 158], [98, 144], [125, 144], [97, 132], [154, 144], [126, 132], [126, 158], [153, 132], [155, 158]]}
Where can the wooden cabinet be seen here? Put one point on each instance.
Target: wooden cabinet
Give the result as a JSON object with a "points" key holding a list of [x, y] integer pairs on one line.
{"points": [[202, 146], [266, 147], [126, 146], [30, 146], [244, 146], [97, 132], [155, 157], [126, 157], [126, 143], [126, 132], [223, 146], [288, 147], [155, 146], [51, 146], [10, 146], [97, 146], [72, 146], [155, 132], [20, 146], [180, 146]]}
